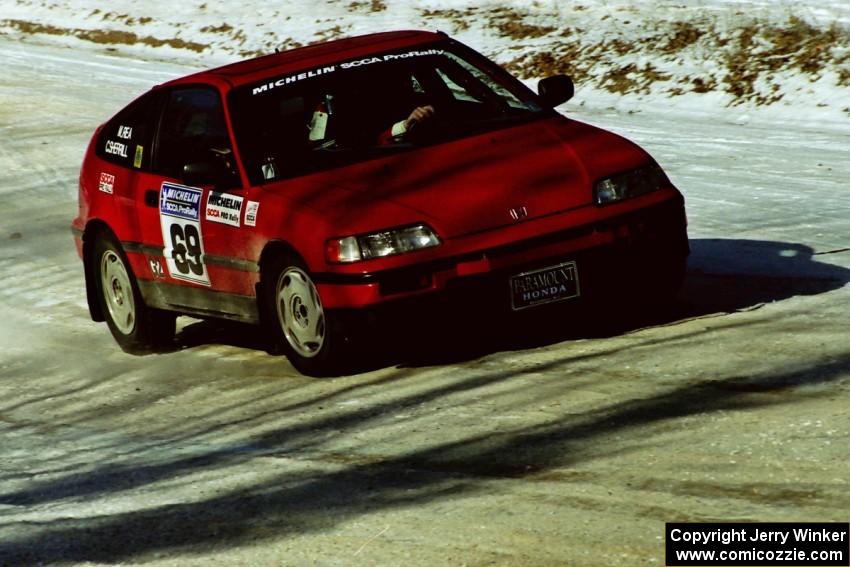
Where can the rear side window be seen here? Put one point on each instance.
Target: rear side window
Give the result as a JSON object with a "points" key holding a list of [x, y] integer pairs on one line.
{"points": [[125, 140], [192, 130]]}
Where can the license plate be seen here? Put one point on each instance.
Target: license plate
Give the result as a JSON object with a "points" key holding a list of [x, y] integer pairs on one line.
{"points": [[546, 285]]}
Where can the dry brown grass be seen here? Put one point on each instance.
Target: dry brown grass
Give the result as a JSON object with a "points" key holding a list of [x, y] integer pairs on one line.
{"points": [[804, 46], [617, 46], [632, 79], [252, 53], [621, 80], [372, 6], [758, 53], [123, 18], [107, 37], [747, 61], [563, 58], [751, 58], [508, 22], [458, 18], [684, 35], [518, 30], [223, 28], [329, 34], [701, 85]]}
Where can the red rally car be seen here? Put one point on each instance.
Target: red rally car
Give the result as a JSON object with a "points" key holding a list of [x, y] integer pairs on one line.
{"points": [[292, 189]]}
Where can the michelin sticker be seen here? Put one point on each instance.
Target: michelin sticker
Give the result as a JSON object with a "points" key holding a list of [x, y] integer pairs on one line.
{"points": [[289, 79], [224, 208], [294, 78], [251, 210], [180, 218], [106, 183]]}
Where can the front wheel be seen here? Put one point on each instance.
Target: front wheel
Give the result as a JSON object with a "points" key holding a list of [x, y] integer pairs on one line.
{"points": [[136, 327], [311, 337]]}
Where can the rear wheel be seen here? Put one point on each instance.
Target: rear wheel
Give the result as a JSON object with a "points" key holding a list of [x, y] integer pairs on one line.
{"points": [[311, 337], [136, 327]]}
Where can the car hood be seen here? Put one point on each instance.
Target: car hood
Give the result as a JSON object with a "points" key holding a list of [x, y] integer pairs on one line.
{"points": [[474, 184]]}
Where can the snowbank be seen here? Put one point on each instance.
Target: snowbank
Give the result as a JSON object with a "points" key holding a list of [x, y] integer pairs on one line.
{"points": [[756, 57]]}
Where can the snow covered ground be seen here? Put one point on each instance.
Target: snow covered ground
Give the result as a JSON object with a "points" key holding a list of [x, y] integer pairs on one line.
{"points": [[789, 59], [520, 448]]}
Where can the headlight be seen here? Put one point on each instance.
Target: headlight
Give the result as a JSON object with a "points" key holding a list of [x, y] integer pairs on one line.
{"points": [[629, 184], [378, 244]]}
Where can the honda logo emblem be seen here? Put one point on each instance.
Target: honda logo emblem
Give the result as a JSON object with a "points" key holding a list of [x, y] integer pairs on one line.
{"points": [[518, 213]]}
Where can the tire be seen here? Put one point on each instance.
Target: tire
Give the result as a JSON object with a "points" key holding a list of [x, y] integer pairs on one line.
{"points": [[313, 339], [137, 328]]}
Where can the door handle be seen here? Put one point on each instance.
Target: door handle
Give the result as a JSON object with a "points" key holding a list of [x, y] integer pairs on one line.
{"points": [[152, 198]]}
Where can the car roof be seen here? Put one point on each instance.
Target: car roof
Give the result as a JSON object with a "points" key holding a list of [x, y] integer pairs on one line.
{"points": [[311, 56]]}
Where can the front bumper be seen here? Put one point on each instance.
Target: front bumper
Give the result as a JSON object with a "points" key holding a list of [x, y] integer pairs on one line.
{"points": [[648, 241]]}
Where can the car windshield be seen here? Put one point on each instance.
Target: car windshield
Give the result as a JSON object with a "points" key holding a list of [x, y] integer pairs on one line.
{"points": [[358, 109]]}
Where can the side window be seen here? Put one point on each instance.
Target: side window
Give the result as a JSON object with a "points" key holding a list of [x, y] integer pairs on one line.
{"points": [[125, 140], [192, 130]]}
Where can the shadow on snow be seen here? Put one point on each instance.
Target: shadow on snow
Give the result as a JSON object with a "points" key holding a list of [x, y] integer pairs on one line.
{"points": [[302, 502], [724, 275]]}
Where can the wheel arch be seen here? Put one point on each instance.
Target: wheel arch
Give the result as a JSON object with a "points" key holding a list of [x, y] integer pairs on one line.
{"points": [[94, 228], [274, 249]]}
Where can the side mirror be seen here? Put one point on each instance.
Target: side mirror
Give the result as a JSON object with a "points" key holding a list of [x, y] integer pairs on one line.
{"points": [[211, 172], [555, 90]]}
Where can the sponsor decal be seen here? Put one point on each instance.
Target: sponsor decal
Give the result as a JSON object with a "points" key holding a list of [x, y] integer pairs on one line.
{"points": [[156, 267], [251, 210], [294, 79], [180, 201], [289, 79], [390, 57], [119, 148], [106, 183], [224, 208], [180, 216], [116, 148], [137, 159]]}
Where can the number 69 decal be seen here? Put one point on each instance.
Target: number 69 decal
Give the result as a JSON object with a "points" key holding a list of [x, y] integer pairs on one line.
{"points": [[179, 214], [186, 249]]}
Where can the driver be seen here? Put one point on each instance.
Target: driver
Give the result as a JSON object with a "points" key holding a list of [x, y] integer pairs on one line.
{"points": [[420, 115], [321, 119]]}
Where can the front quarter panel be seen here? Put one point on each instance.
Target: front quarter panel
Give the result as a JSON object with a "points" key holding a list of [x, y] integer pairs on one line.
{"points": [[280, 220], [602, 153]]}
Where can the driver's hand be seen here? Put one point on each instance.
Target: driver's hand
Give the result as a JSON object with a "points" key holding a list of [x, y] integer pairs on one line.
{"points": [[419, 114]]}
